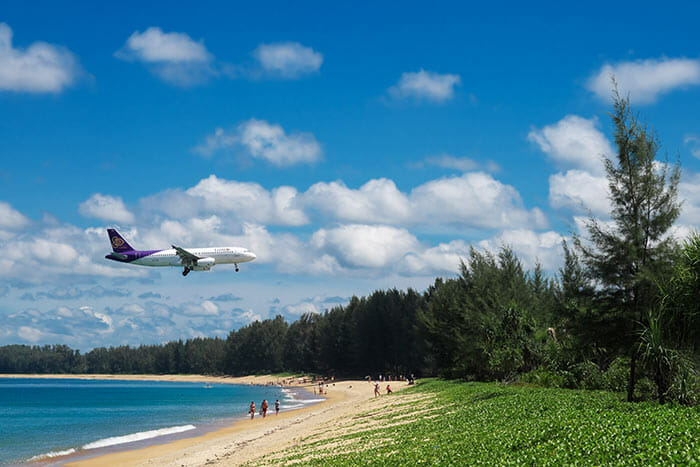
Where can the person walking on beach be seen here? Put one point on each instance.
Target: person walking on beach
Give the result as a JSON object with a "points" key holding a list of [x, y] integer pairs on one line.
{"points": [[376, 389], [388, 389], [277, 407], [263, 407], [251, 410]]}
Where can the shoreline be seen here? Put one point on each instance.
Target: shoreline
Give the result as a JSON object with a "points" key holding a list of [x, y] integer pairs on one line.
{"points": [[239, 441], [213, 430], [252, 380]]}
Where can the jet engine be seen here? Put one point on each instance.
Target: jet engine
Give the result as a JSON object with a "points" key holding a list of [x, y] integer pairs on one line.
{"points": [[204, 264]]}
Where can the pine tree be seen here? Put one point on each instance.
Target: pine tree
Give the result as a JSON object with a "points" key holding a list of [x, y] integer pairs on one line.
{"points": [[625, 258]]}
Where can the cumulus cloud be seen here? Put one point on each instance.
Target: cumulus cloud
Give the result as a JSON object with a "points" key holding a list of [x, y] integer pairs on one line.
{"points": [[288, 59], [30, 334], [425, 85], [689, 192], [577, 143], [475, 199], [11, 218], [264, 140], [378, 200], [530, 246], [645, 80], [106, 207], [40, 68], [249, 200], [316, 304], [372, 246], [206, 308], [579, 191], [574, 142], [445, 257], [173, 56], [54, 250]]}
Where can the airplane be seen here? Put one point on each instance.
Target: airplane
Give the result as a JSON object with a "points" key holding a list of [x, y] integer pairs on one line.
{"points": [[192, 259]]}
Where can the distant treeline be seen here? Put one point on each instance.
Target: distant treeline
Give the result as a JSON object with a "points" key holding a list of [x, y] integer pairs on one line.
{"points": [[379, 334]]}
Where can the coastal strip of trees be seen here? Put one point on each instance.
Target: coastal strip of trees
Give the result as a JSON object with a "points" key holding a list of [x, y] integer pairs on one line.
{"points": [[623, 312]]}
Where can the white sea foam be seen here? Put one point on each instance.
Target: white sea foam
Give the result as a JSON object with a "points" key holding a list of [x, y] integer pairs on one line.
{"points": [[52, 454], [310, 401], [137, 436]]}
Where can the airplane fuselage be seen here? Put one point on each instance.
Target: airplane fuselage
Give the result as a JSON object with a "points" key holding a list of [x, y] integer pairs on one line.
{"points": [[190, 259], [169, 257]]}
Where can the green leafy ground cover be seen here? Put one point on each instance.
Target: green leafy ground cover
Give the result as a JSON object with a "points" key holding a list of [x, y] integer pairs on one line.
{"points": [[488, 423]]}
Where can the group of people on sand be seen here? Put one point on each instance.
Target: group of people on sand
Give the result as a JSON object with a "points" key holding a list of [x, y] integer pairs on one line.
{"points": [[376, 389], [263, 408]]}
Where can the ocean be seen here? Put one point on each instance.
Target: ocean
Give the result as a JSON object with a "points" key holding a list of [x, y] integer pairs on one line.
{"points": [[45, 418]]}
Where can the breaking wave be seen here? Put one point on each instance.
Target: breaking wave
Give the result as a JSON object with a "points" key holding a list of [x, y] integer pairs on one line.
{"points": [[114, 440]]}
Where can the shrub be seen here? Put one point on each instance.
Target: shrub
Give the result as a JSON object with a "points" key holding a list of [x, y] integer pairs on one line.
{"points": [[588, 375], [616, 377]]}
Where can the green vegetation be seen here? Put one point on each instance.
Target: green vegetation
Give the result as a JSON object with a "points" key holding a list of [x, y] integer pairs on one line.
{"points": [[489, 423]]}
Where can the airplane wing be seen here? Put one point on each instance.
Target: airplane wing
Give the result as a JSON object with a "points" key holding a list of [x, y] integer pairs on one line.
{"points": [[186, 257]]}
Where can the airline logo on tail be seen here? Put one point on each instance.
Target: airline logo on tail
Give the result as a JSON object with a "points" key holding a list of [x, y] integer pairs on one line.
{"points": [[117, 242]]}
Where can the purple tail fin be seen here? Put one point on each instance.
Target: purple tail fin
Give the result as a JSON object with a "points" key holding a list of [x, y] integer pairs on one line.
{"points": [[119, 245]]}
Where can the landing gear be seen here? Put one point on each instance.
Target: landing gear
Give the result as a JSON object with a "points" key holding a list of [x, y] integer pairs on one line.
{"points": [[236, 267], [186, 271]]}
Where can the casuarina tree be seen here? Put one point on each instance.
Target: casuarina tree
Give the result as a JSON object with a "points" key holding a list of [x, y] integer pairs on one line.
{"points": [[627, 255]]}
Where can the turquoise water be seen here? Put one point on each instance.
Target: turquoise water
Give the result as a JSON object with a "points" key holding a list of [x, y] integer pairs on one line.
{"points": [[40, 417]]}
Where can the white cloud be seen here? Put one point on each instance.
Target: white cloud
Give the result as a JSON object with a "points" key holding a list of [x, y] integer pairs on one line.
{"points": [[39, 68], [574, 142], [689, 192], [376, 201], [30, 334], [693, 142], [365, 246], [250, 201], [463, 164], [425, 85], [206, 308], [443, 258], [579, 191], [53, 250], [530, 247], [11, 218], [173, 56], [646, 80], [301, 308], [263, 140], [288, 59], [471, 200], [106, 207], [475, 199]]}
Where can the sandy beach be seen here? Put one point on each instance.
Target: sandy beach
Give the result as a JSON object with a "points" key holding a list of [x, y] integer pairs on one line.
{"points": [[247, 440]]}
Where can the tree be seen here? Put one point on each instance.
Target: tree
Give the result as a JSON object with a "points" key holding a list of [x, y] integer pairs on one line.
{"points": [[627, 258]]}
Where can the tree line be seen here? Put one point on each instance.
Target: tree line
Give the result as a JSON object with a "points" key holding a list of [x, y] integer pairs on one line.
{"points": [[622, 313]]}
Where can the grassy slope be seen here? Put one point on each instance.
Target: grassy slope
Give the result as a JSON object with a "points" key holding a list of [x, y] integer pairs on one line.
{"points": [[487, 423]]}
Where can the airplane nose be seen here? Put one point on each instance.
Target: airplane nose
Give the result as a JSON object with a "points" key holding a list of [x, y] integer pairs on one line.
{"points": [[251, 255]]}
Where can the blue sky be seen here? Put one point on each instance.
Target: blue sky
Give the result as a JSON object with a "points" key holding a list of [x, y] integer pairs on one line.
{"points": [[352, 147]]}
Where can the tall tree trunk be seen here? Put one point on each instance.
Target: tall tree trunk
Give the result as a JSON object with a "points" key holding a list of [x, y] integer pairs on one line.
{"points": [[633, 377]]}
